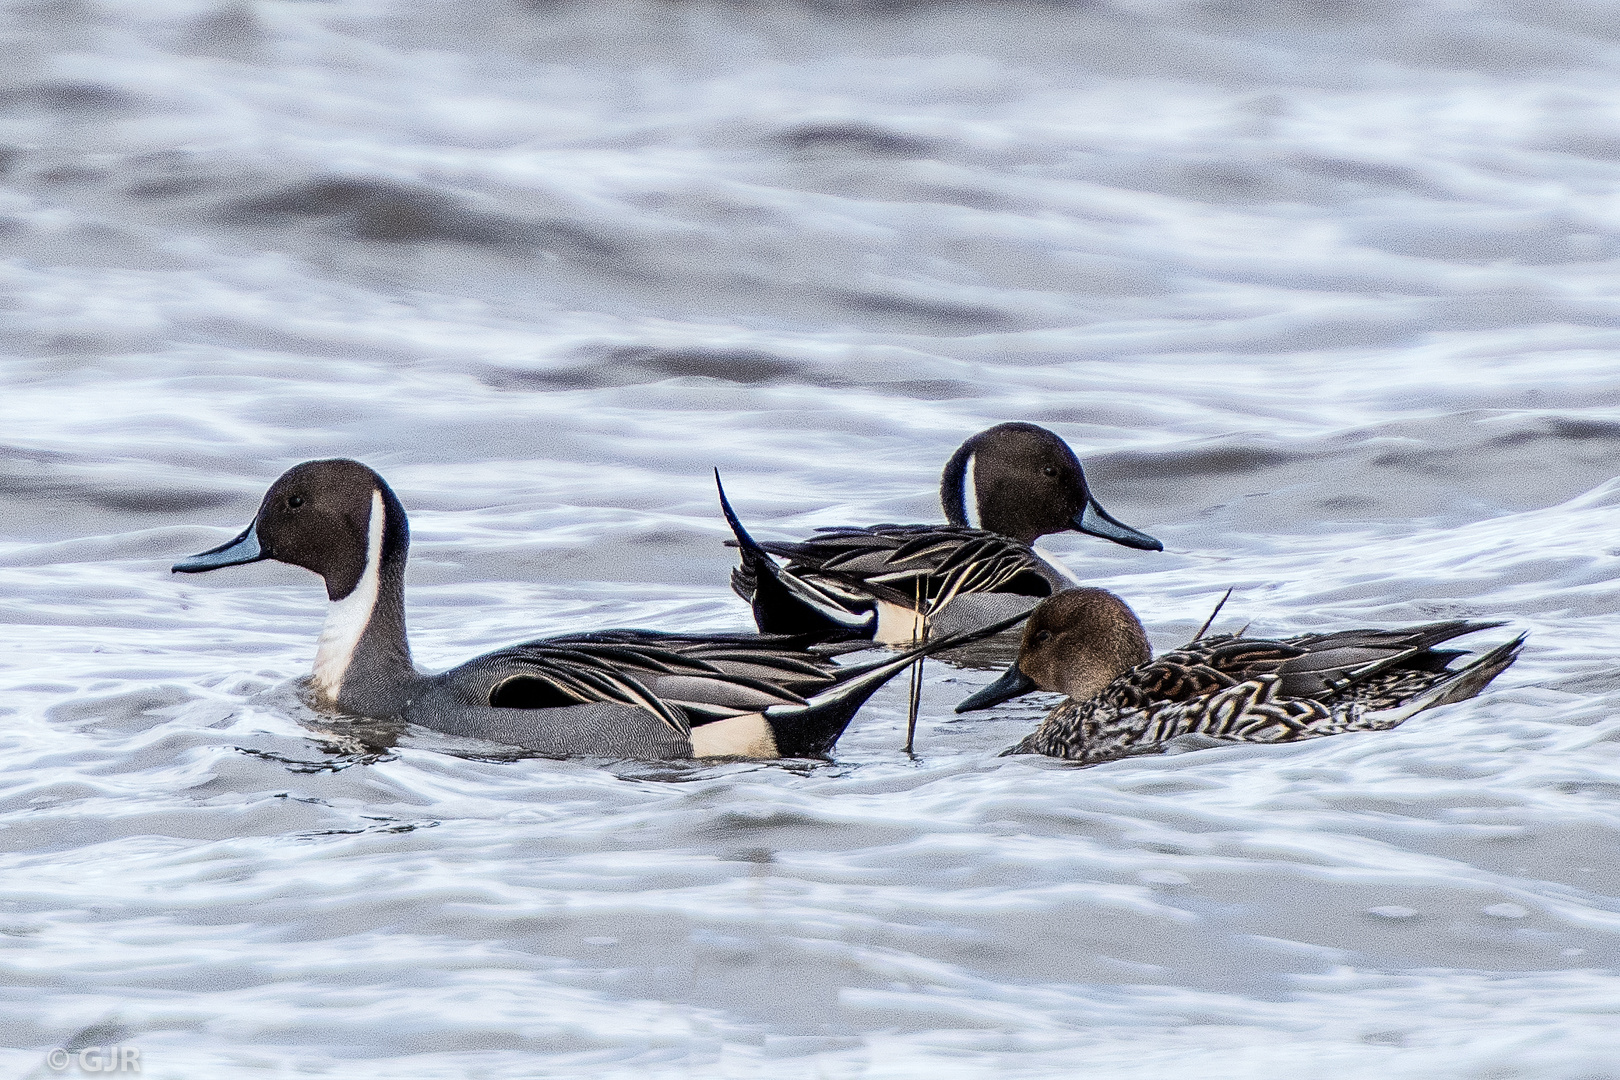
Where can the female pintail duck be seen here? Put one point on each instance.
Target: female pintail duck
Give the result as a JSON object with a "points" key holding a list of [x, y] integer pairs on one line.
{"points": [[1088, 644], [616, 693], [1002, 489]]}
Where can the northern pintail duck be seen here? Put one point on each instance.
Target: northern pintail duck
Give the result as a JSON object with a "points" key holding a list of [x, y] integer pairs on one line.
{"points": [[616, 693], [1002, 489], [1088, 644]]}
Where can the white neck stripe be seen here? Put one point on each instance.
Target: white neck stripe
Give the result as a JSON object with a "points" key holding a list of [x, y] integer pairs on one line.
{"points": [[347, 619], [970, 493], [1054, 562]]}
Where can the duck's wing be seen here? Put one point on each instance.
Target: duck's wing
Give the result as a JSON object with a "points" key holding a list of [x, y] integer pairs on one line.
{"points": [[782, 659], [1341, 666], [1354, 664], [686, 679], [1321, 667], [834, 584], [908, 563]]}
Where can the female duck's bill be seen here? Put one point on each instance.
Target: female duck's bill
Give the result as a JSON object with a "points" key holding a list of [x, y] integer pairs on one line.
{"points": [[626, 693], [1002, 490], [1013, 683], [1088, 644]]}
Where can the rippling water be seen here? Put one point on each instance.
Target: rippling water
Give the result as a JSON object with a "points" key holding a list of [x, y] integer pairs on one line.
{"points": [[1325, 295]]}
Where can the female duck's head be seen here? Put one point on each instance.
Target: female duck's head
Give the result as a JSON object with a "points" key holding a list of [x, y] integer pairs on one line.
{"points": [[1022, 481], [1075, 643]]}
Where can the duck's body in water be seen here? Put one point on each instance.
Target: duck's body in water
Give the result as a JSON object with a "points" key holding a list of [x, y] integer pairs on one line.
{"points": [[616, 693], [1088, 644]]}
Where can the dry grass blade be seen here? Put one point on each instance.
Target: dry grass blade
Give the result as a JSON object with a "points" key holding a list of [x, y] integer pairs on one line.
{"points": [[1207, 622], [919, 634]]}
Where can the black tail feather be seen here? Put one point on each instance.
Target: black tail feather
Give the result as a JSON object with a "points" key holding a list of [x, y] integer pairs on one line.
{"points": [[1462, 685], [1470, 680], [811, 729], [782, 602]]}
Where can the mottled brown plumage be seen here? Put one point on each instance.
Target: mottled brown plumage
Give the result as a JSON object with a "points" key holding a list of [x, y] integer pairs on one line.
{"points": [[1088, 644]]}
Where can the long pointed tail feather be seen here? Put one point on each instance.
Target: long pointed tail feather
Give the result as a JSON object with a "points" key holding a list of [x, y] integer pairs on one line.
{"points": [[783, 603], [1462, 685], [811, 729]]}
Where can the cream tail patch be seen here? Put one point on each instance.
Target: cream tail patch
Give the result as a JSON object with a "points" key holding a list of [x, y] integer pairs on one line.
{"points": [[347, 619], [970, 493], [897, 625], [745, 736]]}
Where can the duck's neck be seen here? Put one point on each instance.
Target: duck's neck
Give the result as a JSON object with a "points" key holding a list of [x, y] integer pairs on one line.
{"points": [[363, 660]]}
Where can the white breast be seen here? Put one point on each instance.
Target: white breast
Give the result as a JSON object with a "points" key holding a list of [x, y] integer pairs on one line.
{"points": [[347, 619]]}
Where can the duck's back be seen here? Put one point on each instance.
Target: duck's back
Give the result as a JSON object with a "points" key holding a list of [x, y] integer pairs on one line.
{"points": [[910, 563]]}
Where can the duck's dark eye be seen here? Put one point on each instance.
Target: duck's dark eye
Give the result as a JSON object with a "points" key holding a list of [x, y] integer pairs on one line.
{"points": [[1042, 636], [1050, 470], [295, 501]]}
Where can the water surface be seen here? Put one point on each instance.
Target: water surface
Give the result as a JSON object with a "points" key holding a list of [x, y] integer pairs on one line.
{"points": [[1324, 295]]}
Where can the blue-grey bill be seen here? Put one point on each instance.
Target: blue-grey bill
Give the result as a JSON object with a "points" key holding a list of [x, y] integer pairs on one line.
{"points": [[244, 549], [1013, 683], [1099, 522]]}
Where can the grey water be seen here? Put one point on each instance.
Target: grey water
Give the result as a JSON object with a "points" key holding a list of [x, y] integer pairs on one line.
{"points": [[1326, 296]]}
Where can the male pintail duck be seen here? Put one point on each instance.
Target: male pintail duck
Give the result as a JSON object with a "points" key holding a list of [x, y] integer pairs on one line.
{"points": [[1088, 644], [617, 693], [1001, 490]]}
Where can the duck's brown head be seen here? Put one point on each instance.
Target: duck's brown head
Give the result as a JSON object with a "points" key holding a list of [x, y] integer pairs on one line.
{"points": [[1075, 643]]}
